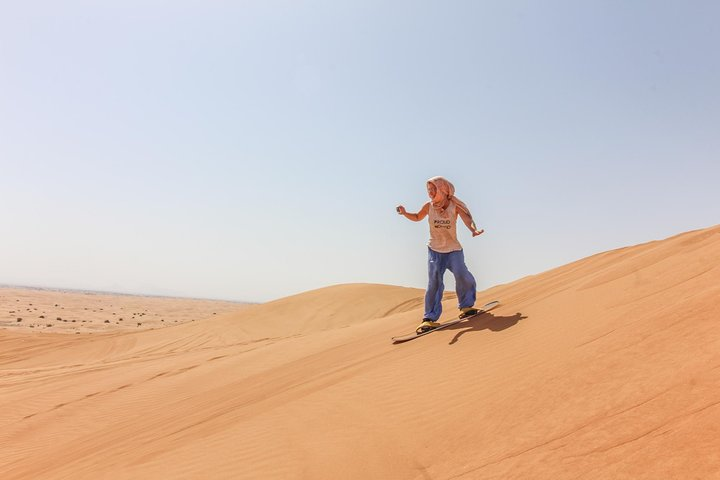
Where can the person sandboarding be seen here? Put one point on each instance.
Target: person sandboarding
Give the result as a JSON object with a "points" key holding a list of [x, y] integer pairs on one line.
{"points": [[445, 251]]}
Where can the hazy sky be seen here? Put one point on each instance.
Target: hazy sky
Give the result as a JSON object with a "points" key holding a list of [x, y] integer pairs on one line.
{"points": [[249, 150]]}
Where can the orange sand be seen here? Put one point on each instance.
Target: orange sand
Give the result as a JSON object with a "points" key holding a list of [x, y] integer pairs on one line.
{"points": [[68, 311], [607, 368]]}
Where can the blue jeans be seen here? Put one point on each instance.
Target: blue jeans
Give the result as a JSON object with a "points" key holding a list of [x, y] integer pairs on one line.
{"points": [[464, 282]]}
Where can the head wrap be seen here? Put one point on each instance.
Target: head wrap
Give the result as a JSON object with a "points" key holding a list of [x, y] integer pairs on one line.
{"points": [[445, 190]]}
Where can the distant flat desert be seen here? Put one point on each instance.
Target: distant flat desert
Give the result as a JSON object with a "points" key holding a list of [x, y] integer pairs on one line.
{"points": [[605, 368], [70, 311]]}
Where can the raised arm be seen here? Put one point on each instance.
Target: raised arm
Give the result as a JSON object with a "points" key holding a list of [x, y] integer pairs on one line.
{"points": [[415, 217]]}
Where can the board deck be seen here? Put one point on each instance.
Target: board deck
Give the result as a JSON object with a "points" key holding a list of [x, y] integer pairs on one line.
{"points": [[485, 308]]}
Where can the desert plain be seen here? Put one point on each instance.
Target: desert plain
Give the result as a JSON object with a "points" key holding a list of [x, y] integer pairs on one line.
{"points": [[605, 368], [72, 311]]}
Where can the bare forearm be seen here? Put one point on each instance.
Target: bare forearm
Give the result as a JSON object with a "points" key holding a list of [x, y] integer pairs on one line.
{"points": [[470, 224], [415, 217]]}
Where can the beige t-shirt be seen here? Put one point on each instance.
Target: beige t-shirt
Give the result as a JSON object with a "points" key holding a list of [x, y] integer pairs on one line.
{"points": [[443, 230]]}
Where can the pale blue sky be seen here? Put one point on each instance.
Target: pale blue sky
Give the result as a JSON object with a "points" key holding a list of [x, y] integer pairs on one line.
{"points": [[251, 150]]}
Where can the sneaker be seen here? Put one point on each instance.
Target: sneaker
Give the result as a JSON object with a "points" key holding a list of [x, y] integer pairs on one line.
{"points": [[468, 312], [426, 326]]}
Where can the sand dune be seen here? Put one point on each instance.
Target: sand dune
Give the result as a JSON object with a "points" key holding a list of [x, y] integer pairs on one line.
{"points": [[608, 367]]}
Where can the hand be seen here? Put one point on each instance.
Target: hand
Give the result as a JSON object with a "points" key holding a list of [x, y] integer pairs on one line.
{"points": [[400, 209], [478, 232]]}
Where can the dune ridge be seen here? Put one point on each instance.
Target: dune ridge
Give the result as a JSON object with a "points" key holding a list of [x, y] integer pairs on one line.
{"points": [[608, 367]]}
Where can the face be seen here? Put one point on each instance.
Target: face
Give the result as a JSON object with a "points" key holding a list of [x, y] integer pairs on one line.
{"points": [[432, 190]]}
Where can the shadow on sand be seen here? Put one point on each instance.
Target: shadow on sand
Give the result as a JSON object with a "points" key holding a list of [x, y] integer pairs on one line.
{"points": [[486, 321]]}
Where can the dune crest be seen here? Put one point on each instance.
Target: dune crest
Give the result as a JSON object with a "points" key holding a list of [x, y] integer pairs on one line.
{"points": [[604, 368]]}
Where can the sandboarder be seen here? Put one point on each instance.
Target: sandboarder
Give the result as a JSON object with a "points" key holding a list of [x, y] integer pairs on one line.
{"points": [[444, 250]]}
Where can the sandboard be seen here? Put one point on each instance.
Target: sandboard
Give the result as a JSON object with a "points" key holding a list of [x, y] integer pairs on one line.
{"points": [[485, 308]]}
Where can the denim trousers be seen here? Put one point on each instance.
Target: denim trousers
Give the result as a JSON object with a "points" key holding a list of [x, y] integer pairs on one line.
{"points": [[464, 282]]}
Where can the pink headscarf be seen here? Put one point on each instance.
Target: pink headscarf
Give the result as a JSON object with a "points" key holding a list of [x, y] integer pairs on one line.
{"points": [[445, 189]]}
